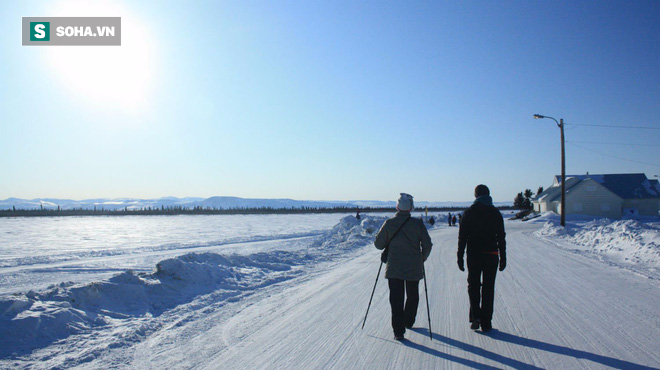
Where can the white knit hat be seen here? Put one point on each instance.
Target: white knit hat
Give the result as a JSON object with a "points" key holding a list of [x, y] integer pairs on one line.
{"points": [[405, 202]]}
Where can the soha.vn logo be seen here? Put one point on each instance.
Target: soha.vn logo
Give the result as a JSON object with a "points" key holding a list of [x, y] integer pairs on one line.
{"points": [[40, 31], [69, 31]]}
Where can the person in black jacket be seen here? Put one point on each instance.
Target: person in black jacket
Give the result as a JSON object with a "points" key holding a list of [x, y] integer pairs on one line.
{"points": [[482, 232]]}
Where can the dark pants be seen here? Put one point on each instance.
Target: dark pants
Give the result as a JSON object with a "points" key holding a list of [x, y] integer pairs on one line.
{"points": [[482, 268], [403, 315]]}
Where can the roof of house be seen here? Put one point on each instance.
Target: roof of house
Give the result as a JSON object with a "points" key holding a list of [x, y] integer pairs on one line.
{"points": [[626, 186], [554, 192]]}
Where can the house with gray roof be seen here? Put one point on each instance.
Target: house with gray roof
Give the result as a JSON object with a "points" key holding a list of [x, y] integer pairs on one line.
{"points": [[611, 195]]}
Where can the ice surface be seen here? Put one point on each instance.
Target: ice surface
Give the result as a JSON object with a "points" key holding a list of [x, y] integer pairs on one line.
{"points": [[37, 252]]}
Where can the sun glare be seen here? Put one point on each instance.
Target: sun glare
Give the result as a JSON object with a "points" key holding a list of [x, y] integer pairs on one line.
{"points": [[110, 76]]}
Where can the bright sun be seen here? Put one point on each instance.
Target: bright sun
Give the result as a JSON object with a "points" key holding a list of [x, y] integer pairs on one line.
{"points": [[112, 76]]}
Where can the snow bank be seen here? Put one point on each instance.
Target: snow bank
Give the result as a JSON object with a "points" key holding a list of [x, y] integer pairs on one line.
{"points": [[630, 244], [37, 319], [351, 233]]}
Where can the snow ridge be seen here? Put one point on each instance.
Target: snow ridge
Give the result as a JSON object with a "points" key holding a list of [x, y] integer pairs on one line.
{"points": [[630, 244], [35, 320]]}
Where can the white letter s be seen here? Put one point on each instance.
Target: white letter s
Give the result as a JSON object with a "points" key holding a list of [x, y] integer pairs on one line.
{"points": [[39, 29]]}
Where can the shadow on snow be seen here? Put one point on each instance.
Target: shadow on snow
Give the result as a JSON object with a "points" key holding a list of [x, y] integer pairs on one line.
{"points": [[471, 348], [576, 353], [525, 342]]}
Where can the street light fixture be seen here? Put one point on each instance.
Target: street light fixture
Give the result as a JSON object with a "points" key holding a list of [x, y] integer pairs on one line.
{"points": [[560, 124]]}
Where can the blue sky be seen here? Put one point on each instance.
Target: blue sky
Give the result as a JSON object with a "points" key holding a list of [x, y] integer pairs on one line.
{"points": [[329, 100]]}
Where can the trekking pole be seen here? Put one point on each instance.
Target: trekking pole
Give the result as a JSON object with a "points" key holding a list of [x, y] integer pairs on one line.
{"points": [[428, 311], [372, 295]]}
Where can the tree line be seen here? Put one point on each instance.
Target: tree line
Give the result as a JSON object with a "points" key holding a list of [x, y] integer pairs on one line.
{"points": [[179, 210], [523, 200]]}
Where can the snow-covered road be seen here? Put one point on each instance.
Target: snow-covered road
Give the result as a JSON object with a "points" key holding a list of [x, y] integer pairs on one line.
{"points": [[553, 309], [556, 307]]}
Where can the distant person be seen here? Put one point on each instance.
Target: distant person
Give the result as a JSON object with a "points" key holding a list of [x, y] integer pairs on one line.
{"points": [[460, 218], [409, 246], [453, 220], [482, 231], [432, 221], [449, 219], [358, 215]]}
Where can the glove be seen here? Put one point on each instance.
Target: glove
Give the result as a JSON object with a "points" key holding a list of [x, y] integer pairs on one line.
{"points": [[461, 264], [383, 256], [502, 261]]}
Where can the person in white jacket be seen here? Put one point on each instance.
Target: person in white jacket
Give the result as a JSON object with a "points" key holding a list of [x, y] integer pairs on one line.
{"points": [[409, 245]]}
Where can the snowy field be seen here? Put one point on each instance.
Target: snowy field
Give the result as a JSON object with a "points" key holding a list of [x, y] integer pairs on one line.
{"points": [[290, 291], [37, 252]]}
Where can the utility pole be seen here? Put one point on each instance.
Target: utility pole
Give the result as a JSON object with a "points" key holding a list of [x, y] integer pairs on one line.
{"points": [[560, 124], [563, 175]]}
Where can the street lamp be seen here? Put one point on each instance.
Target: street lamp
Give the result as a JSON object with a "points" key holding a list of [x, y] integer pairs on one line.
{"points": [[560, 124]]}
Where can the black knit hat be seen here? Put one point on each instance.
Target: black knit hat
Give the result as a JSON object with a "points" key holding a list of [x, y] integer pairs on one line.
{"points": [[481, 190]]}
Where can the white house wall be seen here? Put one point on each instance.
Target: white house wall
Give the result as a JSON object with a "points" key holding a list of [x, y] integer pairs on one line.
{"points": [[645, 207], [545, 207], [591, 198]]}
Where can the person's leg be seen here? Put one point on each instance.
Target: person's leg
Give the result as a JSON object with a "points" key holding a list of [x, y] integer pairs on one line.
{"points": [[396, 302], [488, 290], [412, 302], [474, 287]]}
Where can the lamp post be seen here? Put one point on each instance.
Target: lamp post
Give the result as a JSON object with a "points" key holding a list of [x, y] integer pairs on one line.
{"points": [[560, 124]]}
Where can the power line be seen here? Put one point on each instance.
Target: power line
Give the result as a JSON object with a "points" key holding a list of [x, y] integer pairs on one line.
{"points": [[616, 126], [612, 156], [602, 143]]}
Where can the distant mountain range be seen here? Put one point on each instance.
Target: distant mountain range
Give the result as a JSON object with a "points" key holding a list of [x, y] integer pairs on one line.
{"points": [[219, 202]]}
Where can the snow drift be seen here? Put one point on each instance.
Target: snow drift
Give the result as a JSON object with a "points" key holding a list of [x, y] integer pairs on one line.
{"points": [[37, 319], [630, 244]]}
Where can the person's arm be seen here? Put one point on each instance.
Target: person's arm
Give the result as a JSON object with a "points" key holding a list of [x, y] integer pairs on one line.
{"points": [[462, 241], [381, 237], [501, 242]]}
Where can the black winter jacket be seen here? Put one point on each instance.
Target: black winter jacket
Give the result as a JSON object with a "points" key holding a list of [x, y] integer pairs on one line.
{"points": [[481, 230]]}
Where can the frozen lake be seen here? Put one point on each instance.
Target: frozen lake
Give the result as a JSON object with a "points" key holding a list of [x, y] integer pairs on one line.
{"points": [[37, 252]]}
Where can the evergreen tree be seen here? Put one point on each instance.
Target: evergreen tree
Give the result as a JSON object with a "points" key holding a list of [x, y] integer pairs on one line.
{"points": [[518, 201], [527, 203], [540, 190]]}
